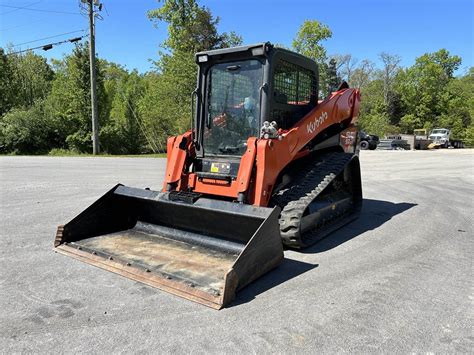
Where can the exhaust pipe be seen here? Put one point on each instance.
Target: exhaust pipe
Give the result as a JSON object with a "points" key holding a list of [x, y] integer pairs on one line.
{"points": [[200, 249]]}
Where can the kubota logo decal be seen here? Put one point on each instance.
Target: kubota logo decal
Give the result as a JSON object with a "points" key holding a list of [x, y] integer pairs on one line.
{"points": [[318, 121]]}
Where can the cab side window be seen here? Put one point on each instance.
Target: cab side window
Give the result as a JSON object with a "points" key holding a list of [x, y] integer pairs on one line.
{"points": [[285, 80], [294, 93]]}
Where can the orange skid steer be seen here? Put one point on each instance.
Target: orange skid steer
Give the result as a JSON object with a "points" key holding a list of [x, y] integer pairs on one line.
{"points": [[265, 165]]}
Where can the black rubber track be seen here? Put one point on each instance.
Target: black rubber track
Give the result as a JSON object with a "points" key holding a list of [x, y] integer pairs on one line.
{"points": [[308, 184]]}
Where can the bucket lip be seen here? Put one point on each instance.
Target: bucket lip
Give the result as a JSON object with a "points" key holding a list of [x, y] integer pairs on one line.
{"points": [[136, 273], [202, 203]]}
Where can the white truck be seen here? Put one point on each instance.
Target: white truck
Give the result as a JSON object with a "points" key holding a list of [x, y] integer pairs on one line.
{"points": [[441, 138]]}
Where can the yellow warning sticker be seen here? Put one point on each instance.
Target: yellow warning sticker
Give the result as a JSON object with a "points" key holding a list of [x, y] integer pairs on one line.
{"points": [[214, 168]]}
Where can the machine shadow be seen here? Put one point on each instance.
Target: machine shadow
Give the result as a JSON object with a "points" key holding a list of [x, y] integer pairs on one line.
{"points": [[374, 213], [287, 270]]}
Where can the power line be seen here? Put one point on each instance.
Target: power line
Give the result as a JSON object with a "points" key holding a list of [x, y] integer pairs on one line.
{"points": [[47, 47], [21, 8], [42, 39], [105, 8], [40, 10]]}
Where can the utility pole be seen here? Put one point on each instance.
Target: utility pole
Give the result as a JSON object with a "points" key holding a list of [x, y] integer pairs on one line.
{"points": [[95, 111]]}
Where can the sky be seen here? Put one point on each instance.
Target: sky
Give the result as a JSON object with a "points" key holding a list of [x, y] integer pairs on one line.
{"points": [[363, 28]]}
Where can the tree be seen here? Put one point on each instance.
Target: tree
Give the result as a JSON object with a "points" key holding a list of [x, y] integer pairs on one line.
{"points": [[333, 80], [458, 104], [308, 43], [25, 131], [308, 40], [30, 79], [390, 68], [431, 96], [25, 81], [373, 116], [6, 101], [123, 133], [47, 105], [346, 65], [69, 104], [191, 28], [166, 103], [363, 74], [442, 58]]}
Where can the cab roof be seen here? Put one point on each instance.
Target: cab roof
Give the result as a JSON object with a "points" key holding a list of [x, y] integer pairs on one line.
{"points": [[257, 49]]}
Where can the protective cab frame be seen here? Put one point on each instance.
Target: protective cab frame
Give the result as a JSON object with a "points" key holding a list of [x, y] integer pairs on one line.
{"points": [[269, 56]]}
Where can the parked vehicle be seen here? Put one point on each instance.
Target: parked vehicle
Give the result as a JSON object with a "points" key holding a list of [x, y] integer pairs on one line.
{"points": [[422, 141], [368, 141], [441, 138], [394, 142]]}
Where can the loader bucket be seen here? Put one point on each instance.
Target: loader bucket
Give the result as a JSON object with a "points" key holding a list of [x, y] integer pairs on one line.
{"points": [[203, 250]]}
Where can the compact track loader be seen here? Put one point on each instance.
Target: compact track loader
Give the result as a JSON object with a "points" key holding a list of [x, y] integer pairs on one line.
{"points": [[265, 165]]}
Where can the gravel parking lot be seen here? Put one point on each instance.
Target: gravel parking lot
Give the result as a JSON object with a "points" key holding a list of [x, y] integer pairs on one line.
{"points": [[399, 279]]}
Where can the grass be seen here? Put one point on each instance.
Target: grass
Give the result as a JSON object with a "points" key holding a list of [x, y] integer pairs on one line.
{"points": [[69, 153]]}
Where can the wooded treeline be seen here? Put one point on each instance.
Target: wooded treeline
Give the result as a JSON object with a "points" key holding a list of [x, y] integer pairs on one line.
{"points": [[45, 107]]}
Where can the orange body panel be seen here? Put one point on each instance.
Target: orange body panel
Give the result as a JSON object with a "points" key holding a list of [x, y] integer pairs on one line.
{"points": [[215, 187], [223, 188], [176, 157], [269, 156]]}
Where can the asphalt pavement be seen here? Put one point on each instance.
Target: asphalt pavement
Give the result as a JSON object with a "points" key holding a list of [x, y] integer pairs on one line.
{"points": [[398, 279]]}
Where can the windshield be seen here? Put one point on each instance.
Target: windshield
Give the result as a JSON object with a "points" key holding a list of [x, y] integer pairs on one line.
{"points": [[439, 131], [233, 106]]}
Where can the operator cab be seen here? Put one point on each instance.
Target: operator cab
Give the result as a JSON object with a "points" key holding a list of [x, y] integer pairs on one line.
{"points": [[241, 88], [233, 106]]}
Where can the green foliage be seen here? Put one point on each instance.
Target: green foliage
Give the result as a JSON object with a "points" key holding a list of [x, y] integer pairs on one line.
{"points": [[425, 95], [166, 102], [332, 79], [31, 78], [136, 112], [6, 94], [458, 105], [70, 101], [375, 122], [24, 79], [123, 132], [59, 152], [469, 136], [408, 121], [448, 63], [308, 40], [46, 107], [191, 28], [431, 97], [25, 131], [25, 82], [363, 74], [373, 114], [308, 43]]}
